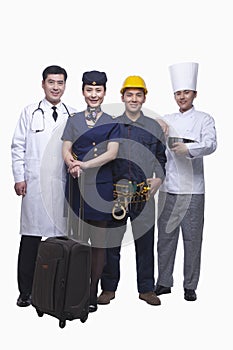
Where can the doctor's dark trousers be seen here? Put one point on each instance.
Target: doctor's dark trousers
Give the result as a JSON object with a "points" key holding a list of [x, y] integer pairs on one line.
{"points": [[26, 262]]}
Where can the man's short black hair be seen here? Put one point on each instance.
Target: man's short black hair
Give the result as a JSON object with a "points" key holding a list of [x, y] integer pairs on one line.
{"points": [[54, 70]]}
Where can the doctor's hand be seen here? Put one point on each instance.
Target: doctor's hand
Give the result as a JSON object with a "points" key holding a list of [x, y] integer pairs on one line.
{"points": [[20, 188]]}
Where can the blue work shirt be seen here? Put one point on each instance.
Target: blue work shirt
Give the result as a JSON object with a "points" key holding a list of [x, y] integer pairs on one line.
{"points": [[142, 150]]}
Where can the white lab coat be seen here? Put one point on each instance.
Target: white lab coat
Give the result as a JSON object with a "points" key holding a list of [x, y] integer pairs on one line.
{"points": [[185, 174], [37, 158]]}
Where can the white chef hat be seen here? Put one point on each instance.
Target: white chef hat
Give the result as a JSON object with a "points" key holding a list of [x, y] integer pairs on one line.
{"points": [[184, 76]]}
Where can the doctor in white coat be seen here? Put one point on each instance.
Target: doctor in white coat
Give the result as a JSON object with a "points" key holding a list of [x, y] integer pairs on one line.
{"points": [[182, 195], [39, 174]]}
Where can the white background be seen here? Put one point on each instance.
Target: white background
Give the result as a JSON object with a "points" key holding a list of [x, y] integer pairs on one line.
{"points": [[123, 38]]}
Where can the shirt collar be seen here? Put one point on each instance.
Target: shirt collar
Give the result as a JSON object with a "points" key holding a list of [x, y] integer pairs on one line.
{"points": [[187, 113], [50, 105], [139, 121]]}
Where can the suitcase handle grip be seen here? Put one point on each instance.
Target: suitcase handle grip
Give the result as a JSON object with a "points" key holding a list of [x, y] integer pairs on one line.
{"points": [[62, 238]]}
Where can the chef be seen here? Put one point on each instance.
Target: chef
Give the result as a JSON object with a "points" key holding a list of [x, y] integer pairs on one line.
{"points": [[192, 136]]}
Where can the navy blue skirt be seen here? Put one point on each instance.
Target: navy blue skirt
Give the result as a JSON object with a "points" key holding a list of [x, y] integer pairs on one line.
{"points": [[98, 200]]}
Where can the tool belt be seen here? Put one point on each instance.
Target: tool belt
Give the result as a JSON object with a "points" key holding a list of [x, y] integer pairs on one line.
{"points": [[126, 194]]}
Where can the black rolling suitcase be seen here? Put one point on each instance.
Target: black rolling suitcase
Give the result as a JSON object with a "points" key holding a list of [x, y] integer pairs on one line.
{"points": [[61, 285]]}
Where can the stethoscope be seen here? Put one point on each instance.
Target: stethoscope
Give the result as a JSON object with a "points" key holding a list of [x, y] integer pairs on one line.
{"points": [[38, 119]]}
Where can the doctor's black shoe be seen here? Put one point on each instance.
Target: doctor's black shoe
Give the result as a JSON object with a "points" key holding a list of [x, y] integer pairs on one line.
{"points": [[162, 290], [24, 300], [190, 295]]}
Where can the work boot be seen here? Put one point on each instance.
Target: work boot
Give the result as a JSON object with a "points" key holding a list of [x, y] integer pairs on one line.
{"points": [[150, 297], [105, 297]]}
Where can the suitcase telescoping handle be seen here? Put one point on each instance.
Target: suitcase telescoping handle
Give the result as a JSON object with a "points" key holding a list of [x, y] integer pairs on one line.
{"points": [[81, 206], [75, 224]]}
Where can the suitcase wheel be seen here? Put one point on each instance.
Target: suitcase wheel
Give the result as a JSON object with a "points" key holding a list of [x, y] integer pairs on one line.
{"points": [[62, 324], [83, 319], [39, 313]]}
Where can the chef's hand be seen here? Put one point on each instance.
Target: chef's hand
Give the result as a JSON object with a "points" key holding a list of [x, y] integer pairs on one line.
{"points": [[180, 149]]}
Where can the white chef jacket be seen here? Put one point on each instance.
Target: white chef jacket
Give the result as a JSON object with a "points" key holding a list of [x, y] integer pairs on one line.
{"points": [[185, 174], [37, 159]]}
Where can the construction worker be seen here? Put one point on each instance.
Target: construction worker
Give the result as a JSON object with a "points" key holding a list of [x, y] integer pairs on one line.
{"points": [[138, 172]]}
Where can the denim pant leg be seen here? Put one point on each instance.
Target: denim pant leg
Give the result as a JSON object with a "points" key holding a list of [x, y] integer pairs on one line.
{"points": [[144, 248], [143, 226], [111, 272]]}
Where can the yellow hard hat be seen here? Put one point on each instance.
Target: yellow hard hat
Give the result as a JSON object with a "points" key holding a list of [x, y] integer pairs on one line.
{"points": [[134, 81]]}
